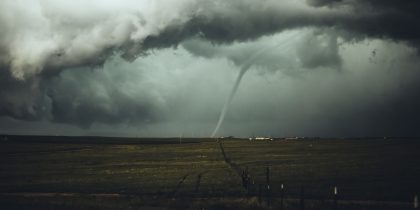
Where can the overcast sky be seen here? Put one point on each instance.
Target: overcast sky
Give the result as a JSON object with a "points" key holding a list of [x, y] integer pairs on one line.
{"points": [[166, 68]]}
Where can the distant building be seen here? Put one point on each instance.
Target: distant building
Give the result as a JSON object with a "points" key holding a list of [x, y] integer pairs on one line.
{"points": [[260, 138]]}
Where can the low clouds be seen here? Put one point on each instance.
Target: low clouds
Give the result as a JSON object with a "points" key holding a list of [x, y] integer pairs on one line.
{"points": [[83, 97], [87, 62], [21, 99]]}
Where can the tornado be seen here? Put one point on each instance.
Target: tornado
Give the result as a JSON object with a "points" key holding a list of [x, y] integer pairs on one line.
{"points": [[241, 74], [229, 100]]}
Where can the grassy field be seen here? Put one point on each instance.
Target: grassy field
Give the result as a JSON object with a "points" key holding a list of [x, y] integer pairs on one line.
{"points": [[96, 173]]}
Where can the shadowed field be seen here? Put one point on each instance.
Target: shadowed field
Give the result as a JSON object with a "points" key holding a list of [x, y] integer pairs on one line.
{"points": [[111, 173]]}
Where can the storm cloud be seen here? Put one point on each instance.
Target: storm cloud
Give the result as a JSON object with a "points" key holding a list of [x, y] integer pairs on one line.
{"points": [[49, 35], [126, 62]]}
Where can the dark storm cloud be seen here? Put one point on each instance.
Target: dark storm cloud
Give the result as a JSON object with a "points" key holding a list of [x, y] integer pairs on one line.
{"points": [[47, 49], [391, 19], [54, 35], [224, 22], [313, 49]]}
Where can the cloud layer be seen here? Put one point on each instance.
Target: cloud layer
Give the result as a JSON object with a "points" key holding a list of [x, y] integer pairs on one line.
{"points": [[53, 35], [87, 62]]}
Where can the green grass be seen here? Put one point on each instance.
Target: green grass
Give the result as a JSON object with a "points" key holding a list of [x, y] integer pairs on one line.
{"points": [[150, 175]]}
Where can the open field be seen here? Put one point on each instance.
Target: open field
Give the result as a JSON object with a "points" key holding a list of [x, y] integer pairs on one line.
{"points": [[96, 173]]}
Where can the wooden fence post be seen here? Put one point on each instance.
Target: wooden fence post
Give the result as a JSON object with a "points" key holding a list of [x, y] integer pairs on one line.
{"points": [[268, 185], [302, 198], [197, 184], [335, 191], [416, 202], [281, 196]]}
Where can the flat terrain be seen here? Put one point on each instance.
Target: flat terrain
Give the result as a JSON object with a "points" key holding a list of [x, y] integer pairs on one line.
{"points": [[111, 173]]}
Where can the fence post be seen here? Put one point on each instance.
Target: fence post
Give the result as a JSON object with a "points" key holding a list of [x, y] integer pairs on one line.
{"points": [[252, 188], [268, 185], [335, 198], [248, 181], [281, 196], [259, 194], [416, 202], [197, 184], [302, 198]]}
